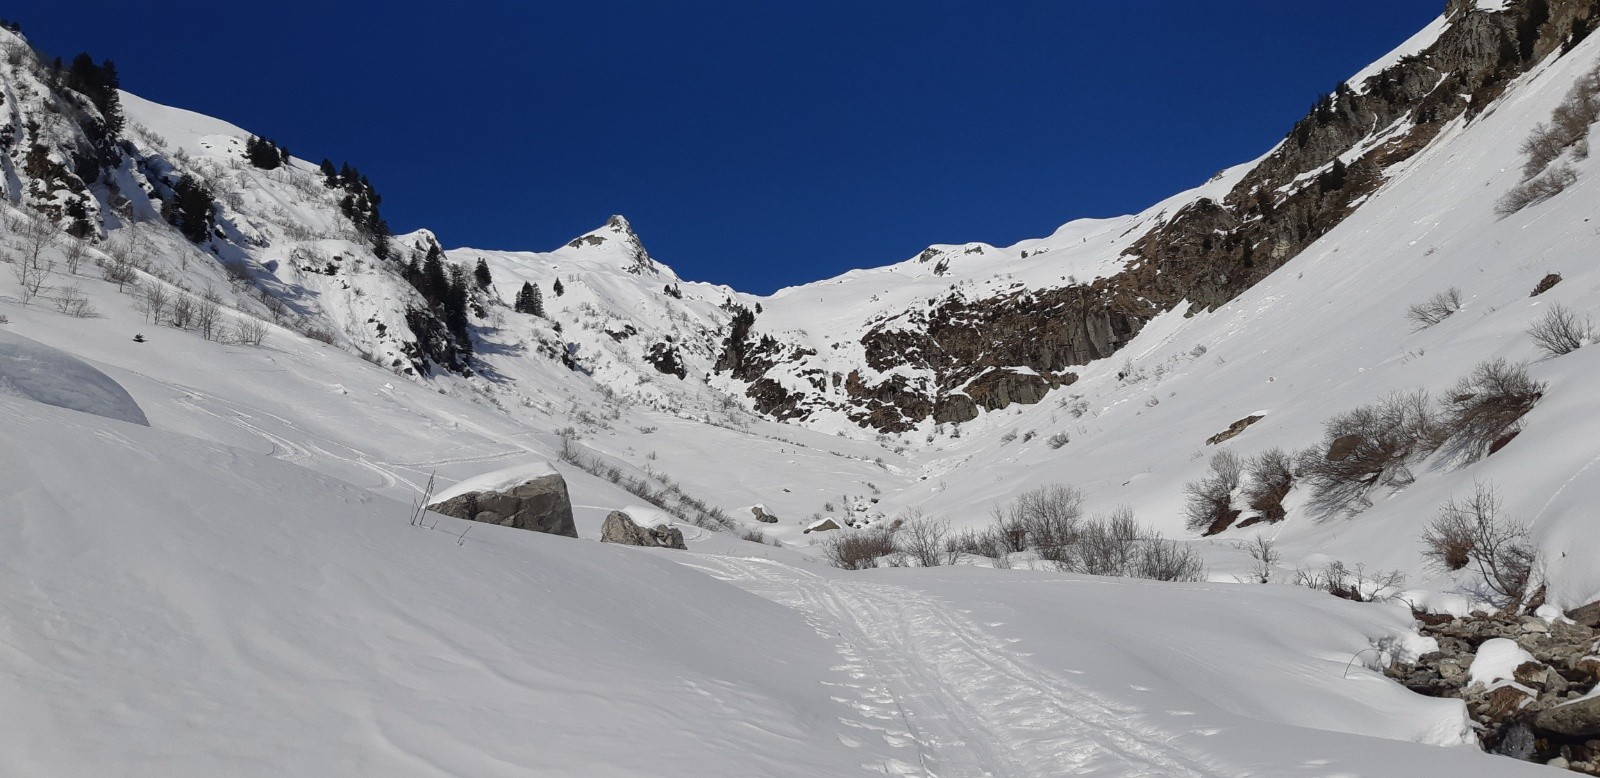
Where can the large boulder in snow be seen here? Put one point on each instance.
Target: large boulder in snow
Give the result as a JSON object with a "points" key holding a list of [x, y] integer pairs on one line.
{"points": [[620, 528], [532, 497], [1579, 719], [49, 375]]}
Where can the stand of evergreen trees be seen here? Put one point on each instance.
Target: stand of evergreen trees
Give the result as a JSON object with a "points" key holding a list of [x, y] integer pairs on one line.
{"points": [[265, 154], [446, 291], [529, 300], [359, 204]]}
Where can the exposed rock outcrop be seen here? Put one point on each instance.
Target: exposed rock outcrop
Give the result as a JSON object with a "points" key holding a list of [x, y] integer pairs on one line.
{"points": [[962, 355], [620, 528], [540, 504]]}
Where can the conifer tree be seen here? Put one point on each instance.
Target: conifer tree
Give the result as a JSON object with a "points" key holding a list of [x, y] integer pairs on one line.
{"points": [[481, 275], [435, 284], [556, 287], [330, 173]]}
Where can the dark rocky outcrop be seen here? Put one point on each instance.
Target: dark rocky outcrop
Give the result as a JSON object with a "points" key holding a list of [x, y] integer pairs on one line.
{"points": [[620, 528], [540, 504], [1015, 346], [1536, 715]]}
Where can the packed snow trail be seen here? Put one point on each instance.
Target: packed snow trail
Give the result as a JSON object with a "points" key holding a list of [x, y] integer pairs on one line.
{"points": [[929, 679]]}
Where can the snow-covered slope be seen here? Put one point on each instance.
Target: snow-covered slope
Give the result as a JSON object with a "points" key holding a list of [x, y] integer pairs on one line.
{"points": [[242, 572]]}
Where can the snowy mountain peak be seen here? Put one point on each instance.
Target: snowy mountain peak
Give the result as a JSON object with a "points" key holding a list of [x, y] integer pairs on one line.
{"points": [[617, 232]]}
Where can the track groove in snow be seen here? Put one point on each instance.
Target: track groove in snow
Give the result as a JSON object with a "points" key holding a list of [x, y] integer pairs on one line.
{"points": [[967, 705]]}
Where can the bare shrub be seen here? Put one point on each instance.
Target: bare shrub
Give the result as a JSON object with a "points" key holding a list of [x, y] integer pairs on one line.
{"points": [[858, 549], [181, 312], [1210, 500], [31, 267], [1269, 477], [1537, 190], [1352, 583], [988, 543], [925, 540], [1484, 410], [72, 256], [249, 331], [1168, 560], [1046, 519], [320, 335], [1264, 558], [153, 303], [1058, 440], [208, 315], [1472, 534], [1435, 309], [1561, 331], [119, 270], [1367, 448], [1108, 545], [71, 301]]}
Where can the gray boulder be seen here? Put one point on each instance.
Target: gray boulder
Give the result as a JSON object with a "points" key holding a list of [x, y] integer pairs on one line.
{"points": [[620, 528], [540, 504], [1580, 719], [762, 516]]}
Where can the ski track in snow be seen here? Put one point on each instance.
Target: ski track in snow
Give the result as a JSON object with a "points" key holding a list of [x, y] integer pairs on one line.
{"points": [[926, 678]]}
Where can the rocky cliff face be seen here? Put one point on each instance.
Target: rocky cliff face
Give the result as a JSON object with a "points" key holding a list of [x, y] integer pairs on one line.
{"points": [[962, 353]]}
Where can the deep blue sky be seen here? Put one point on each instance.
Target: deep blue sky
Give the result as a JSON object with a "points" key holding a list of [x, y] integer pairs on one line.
{"points": [[753, 143]]}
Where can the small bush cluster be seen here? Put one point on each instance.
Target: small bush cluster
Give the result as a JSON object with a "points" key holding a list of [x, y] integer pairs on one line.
{"points": [[1367, 448], [1050, 522], [1353, 583], [1544, 175], [858, 549], [1484, 411], [1268, 478], [1560, 331], [1210, 500], [1435, 309]]}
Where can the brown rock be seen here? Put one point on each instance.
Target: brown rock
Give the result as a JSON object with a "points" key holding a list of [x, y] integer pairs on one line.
{"points": [[620, 528]]}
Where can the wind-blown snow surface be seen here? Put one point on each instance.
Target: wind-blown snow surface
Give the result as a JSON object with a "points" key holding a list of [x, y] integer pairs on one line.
{"points": [[38, 372], [184, 608]]}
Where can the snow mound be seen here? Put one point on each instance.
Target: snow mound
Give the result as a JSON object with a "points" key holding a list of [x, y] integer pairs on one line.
{"points": [[1497, 660], [38, 372]]}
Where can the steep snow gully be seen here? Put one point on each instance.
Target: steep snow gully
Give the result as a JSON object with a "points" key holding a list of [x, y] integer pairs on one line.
{"points": [[927, 679]]}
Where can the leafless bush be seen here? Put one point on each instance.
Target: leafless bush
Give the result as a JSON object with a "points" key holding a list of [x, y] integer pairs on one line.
{"points": [[1058, 440], [153, 303], [1269, 477], [925, 540], [1537, 190], [1436, 309], [989, 543], [249, 331], [320, 335], [119, 270], [1168, 560], [858, 549], [1210, 500], [1264, 558], [1472, 534], [72, 256], [71, 301], [1367, 448], [1352, 583], [1046, 519], [1107, 546], [208, 315], [31, 267], [755, 535], [1484, 411], [1561, 331], [181, 312]]}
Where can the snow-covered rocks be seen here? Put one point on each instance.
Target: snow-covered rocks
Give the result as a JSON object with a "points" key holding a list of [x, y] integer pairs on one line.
{"points": [[532, 497], [620, 528]]}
